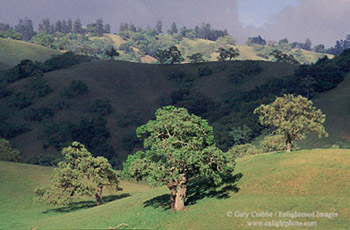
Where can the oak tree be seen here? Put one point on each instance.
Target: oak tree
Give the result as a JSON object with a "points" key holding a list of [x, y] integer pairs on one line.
{"points": [[293, 117], [178, 146], [77, 175]]}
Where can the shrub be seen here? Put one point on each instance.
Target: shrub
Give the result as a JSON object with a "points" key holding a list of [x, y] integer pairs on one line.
{"points": [[101, 106], [204, 71], [20, 100], [24, 69], [10, 130], [40, 87], [63, 61], [273, 143], [39, 114], [7, 153], [178, 75], [75, 88], [239, 151]]}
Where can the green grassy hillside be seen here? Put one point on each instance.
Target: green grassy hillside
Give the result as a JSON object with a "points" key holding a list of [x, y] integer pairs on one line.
{"points": [[302, 181], [14, 51]]}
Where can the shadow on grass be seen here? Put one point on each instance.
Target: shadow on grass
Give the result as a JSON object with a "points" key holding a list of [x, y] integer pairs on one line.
{"points": [[197, 190], [86, 204]]}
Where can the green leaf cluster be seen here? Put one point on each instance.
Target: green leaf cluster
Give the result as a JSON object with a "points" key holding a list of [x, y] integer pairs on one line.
{"points": [[79, 174]]}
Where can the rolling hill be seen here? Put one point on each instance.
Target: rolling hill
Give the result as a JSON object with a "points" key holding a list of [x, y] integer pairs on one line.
{"points": [[209, 49], [134, 91], [14, 51], [302, 181]]}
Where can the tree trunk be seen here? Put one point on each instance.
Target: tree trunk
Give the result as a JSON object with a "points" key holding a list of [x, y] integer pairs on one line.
{"points": [[172, 187], [289, 146], [181, 194], [99, 195]]}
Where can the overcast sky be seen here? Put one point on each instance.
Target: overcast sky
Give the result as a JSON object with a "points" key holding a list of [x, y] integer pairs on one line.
{"points": [[323, 21]]}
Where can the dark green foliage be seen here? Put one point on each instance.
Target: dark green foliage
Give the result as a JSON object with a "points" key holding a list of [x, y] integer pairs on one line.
{"points": [[20, 100], [7, 152], [204, 71], [239, 151], [340, 46], [196, 58], [63, 61], [39, 87], [24, 69], [101, 106], [93, 133], [57, 135], [177, 75], [169, 56], [10, 130], [241, 135], [256, 40], [229, 54], [112, 53], [282, 57], [130, 140], [5, 91], [39, 114], [75, 88]]}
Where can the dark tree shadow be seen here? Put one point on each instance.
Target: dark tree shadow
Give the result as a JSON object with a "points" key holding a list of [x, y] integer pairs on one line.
{"points": [[198, 190], [86, 204]]}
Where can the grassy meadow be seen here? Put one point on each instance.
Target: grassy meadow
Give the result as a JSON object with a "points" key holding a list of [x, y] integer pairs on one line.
{"points": [[14, 51], [302, 181]]}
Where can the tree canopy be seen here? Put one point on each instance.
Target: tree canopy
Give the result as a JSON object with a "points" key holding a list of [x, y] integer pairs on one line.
{"points": [[292, 117], [177, 147], [79, 174]]}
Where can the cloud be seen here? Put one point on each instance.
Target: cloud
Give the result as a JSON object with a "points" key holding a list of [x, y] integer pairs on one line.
{"points": [[323, 21]]}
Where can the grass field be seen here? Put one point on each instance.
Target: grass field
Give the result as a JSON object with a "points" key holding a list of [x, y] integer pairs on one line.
{"points": [[302, 181], [13, 51]]}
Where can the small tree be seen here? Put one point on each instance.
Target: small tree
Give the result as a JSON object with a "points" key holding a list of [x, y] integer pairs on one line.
{"points": [[196, 58], [7, 153], [179, 146], [79, 174], [292, 117], [175, 55], [169, 56], [230, 54], [112, 53]]}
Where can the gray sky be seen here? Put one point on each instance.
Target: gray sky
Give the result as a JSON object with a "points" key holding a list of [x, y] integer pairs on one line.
{"points": [[323, 21]]}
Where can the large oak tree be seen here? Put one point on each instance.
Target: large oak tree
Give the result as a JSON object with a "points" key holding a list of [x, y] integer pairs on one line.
{"points": [[178, 146]]}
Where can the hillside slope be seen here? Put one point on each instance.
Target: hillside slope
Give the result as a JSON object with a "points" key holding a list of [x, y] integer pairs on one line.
{"points": [[336, 105], [303, 181], [135, 91], [14, 51]]}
